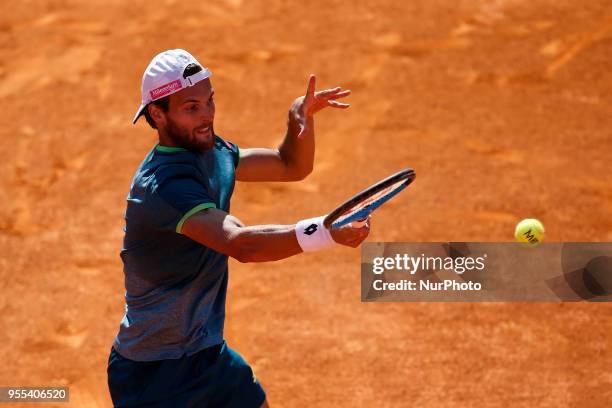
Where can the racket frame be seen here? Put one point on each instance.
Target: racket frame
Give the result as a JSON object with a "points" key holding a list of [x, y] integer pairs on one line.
{"points": [[407, 174]]}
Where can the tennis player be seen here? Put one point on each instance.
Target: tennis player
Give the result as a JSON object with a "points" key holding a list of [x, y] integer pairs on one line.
{"points": [[179, 233]]}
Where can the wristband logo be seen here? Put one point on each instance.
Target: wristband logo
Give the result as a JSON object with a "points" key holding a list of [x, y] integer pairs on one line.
{"points": [[311, 229]]}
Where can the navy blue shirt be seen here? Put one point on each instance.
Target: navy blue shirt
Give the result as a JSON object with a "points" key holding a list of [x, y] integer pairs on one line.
{"points": [[175, 287]]}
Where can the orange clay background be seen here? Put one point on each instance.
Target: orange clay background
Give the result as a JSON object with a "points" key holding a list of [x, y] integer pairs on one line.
{"points": [[503, 107]]}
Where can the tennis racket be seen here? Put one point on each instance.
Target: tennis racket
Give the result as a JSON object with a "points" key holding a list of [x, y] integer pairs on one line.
{"points": [[364, 203]]}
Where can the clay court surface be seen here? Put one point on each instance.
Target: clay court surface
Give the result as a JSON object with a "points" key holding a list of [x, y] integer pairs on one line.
{"points": [[504, 108]]}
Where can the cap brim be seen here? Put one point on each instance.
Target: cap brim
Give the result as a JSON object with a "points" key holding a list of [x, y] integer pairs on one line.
{"points": [[197, 77], [139, 113]]}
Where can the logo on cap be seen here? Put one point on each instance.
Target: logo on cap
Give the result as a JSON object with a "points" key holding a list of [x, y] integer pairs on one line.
{"points": [[166, 89]]}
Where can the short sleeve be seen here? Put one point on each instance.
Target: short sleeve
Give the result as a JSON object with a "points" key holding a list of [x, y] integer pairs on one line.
{"points": [[186, 196], [235, 153]]}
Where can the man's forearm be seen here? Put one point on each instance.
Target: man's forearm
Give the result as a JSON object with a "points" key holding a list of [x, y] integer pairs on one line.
{"points": [[298, 153], [297, 150], [226, 234], [263, 243]]}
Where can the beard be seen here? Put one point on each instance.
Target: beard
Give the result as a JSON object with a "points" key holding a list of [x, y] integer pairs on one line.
{"points": [[184, 138]]}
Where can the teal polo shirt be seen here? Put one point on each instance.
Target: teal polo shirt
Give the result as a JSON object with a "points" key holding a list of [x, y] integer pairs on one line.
{"points": [[175, 287]]}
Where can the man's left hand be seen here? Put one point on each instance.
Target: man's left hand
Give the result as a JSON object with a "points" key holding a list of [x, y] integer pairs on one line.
{"points": [[304, 107]]}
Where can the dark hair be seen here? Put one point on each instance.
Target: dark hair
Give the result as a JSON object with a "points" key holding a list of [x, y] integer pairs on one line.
{"points": [[164, 102], [191, 69]]}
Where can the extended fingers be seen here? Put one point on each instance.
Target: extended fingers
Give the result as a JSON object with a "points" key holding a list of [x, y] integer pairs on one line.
{"points": [[313, 102], [312, 82], [336, 104], [333, 93], [329, 91], [330, 96]]}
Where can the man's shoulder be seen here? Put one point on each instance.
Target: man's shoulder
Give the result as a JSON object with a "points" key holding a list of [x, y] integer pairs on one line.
{"points": [[161, 165], [223, 144], [229, 148]]}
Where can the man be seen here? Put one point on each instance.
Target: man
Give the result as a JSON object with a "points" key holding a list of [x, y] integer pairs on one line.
{"points": [[170, 349]]}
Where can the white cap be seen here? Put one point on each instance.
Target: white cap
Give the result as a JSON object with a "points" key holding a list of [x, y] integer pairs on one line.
{"points": [[164, 76]]}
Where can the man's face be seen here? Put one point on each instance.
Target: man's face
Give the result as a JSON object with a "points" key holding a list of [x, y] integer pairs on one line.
{"points": [[189, 119]]}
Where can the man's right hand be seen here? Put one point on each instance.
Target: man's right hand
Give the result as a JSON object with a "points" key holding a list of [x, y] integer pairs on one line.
{"points": [[350, 235]]}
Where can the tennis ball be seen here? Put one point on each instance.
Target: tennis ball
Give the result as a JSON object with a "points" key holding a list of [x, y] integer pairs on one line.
{"points": [[529, 231]]}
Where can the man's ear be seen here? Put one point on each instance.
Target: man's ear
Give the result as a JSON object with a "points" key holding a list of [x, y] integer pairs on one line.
{"points": [[157, 114]]}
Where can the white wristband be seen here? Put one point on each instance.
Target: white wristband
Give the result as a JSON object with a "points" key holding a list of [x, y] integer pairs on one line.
{"points": [[312, 235]]}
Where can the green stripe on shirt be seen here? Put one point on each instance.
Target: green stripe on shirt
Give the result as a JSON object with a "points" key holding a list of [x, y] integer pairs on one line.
{"points": [[189, 213], [169, 149]]}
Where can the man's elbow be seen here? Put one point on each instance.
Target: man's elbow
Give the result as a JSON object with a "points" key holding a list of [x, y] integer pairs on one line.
{"points": [[306, 172], [298, 174]]}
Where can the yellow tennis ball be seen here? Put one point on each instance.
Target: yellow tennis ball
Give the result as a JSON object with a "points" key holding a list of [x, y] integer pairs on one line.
{"points": [[529, 231]]}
